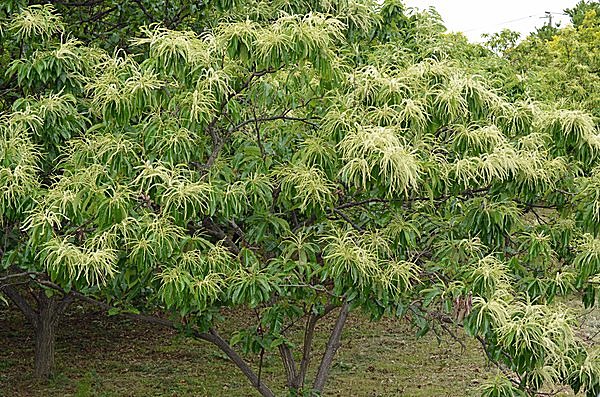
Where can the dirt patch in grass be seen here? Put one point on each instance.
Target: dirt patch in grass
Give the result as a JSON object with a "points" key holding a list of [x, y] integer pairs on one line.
{"points": [[109, 356]]}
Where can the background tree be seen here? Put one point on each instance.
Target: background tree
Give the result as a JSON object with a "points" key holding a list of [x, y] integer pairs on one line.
{"points": [[284, 161], [578, 13], [564, 67], [502, 41]]}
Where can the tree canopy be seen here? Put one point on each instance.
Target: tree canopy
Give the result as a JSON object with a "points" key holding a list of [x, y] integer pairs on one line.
{"points": [[563, 67], [294, 160]]}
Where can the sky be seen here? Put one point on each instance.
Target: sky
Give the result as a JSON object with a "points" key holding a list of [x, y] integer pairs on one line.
{"points": [[474, 17]]}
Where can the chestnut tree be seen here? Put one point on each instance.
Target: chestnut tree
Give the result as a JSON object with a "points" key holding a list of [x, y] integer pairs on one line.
{"points": [[296, 160]]}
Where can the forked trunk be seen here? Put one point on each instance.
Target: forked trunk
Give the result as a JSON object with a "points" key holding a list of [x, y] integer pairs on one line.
{"points": [[44, 320]]}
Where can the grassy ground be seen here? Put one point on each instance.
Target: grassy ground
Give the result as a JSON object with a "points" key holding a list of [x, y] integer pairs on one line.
{"points": [[107, 356]]}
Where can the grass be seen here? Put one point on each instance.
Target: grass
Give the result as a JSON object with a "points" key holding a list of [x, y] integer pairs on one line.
{"points": [[108, 357]]}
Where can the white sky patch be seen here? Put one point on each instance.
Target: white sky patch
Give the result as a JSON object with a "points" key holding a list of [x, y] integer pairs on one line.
{"points": [[486, 16]]}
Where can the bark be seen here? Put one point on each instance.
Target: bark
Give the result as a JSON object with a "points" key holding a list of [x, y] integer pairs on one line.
{"points": [[48, 314], [309, 333], [289, 365], [44, 320], [297, 377], [13, 294], [332, 346], [45, 337]]}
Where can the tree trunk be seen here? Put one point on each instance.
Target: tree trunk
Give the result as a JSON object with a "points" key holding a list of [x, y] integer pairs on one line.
{"points": [[44, 320], [332, 346], [45, 335], [45, 338]]}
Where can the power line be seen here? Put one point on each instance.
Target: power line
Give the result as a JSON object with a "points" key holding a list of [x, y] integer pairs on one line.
{"points": [[546, 15], [502, 23]]}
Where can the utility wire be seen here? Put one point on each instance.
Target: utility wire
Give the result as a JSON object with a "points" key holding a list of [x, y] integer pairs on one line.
{"points": [[513, 21], [502, 23]]}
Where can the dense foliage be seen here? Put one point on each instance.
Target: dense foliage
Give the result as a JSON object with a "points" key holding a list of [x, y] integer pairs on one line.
{"points": [[295, 159], [564, 67]]}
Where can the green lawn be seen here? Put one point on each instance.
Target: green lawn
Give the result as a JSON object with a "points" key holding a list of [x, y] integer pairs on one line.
{"points": [[108, 356]]}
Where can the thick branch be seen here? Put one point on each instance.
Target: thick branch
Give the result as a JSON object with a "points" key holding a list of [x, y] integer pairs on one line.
{"points": [[214, 338], [18, 299], [288, 364], [332, 346], [217, 232], [309, 334]]}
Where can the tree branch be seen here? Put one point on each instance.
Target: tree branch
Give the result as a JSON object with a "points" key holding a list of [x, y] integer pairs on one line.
{"points": [[140, 317], [272, 118], [467, 193], [214, 338], [309, 333], [363, 202], [492, 360], [89, 3], [21, 303], [347, 219], [289, 365], [144, 10], [257, 131], [17, 275], [64, 303], [217, 232], [220, 141], [332, 346], [532, 205]]}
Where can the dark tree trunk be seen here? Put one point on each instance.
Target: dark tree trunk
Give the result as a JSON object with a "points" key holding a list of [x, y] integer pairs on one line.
{"points": [[45, 336], [44, 319]]}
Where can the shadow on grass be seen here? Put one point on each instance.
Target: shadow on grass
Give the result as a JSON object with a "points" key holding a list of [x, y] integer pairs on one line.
{"points": [[105, 356]]}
